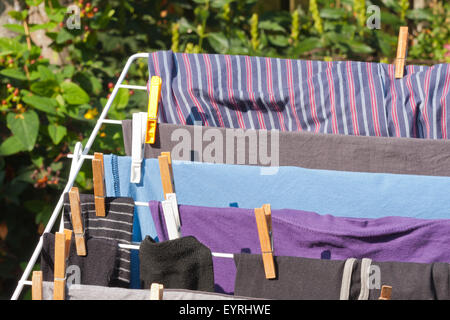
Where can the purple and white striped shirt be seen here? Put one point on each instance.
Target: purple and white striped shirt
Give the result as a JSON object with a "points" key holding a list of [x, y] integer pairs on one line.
{"points": [[340, 97]]}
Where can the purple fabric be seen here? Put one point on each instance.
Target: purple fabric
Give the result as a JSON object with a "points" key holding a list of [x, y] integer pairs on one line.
{"points": [[309, 235]]}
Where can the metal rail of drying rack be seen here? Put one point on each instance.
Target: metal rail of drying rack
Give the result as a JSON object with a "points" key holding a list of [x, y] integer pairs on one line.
{"points": [[76, 166]]}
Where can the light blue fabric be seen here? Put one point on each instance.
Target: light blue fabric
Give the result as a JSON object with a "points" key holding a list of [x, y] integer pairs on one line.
{"points": [[339, 193]]}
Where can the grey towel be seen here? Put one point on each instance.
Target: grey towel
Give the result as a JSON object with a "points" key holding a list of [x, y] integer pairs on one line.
{"points": [[96, 268], [315, 279], [310, 150], [86, 292], [182, 263], [116, 226]]}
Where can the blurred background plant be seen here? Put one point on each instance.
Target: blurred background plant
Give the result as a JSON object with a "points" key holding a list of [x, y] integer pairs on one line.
{"points": [[55, 81]]}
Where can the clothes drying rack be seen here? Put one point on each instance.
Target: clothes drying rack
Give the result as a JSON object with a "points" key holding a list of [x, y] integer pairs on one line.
{"points": [[77, 162], [79, 156]]}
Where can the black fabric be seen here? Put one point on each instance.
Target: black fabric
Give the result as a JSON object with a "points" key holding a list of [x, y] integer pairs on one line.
{"points": [[182, 263], [116, 226], [96, 268], [414, 281]]}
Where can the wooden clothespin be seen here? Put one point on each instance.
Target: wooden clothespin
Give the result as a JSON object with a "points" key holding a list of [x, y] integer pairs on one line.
{"points": [[59, 282], [264, 224], [36, 286], [99, 184], [152, 117], [68, 234], [167, 154], [385, 293], [165, 164], [402, 48], [77, 223], [156, 291]]}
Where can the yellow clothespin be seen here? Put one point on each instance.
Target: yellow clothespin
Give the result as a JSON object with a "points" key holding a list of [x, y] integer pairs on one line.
{"points": [[59, 273], [402, 45], [98, 174], [264, 224], [156, 291], [385, 293], [36, 286], [152, 117], [165, 171], [77, 223]]}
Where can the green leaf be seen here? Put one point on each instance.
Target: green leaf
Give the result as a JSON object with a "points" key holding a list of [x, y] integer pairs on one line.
{"points": [[63, 36], [73, 94], [44, 104], [359, 47], [14, 73], [45, 87], [25, 127], [219, 3], [48, 25], [41, 208], [11, 146], [33, 2], [185, 26], [271, 26], [307, 45], [392, 4], [386, 42], [60, 100], [15, 28], [218, 42], [5, 53], [388, 18], [121, 99], [56, 15], [420, 14], [333, 13], [11, 44], [278, 40], [56, 132], [68, 71], [19, 15], [45, 73], [104, 19]]}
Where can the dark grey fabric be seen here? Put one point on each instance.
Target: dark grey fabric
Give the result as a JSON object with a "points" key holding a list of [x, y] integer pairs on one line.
{"points": [[297, 278], [414, 281], [316, 150], [116, 226], [182, 263], [85, 292], [305, 279], [96, 268]]}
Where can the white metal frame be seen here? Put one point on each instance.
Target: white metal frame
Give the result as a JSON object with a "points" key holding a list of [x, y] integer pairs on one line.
{"points": [[78, 158], [76, 166]]}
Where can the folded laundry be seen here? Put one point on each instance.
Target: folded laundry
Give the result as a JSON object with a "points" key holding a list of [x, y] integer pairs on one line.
{"points": [[183, 263], [346, 97], [315, 279], [117, 226], [88, 292], [96, 268], [302, 149], [309, 235]]}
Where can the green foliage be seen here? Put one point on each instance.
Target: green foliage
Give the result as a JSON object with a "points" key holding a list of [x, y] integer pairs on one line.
{"points": [[49, 103]]}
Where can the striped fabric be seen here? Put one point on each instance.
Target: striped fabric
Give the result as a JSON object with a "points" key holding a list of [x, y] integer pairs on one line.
{"points": [[342, 97], [117, 225]]}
